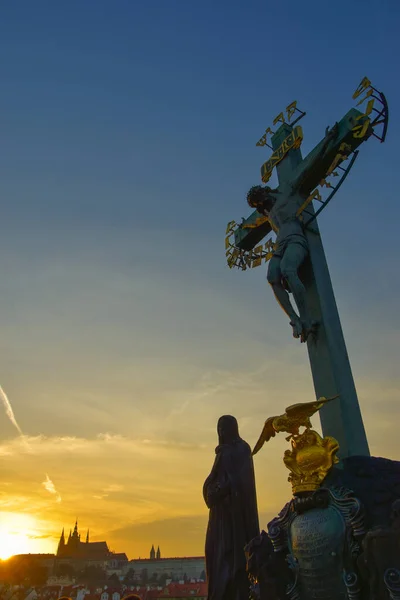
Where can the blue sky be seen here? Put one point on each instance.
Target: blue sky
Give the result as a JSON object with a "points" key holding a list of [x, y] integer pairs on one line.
{"points": [[128, 135]]}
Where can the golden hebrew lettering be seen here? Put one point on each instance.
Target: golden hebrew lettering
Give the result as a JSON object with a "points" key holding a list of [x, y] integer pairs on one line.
{"points": [[365, 83], [293, 140], [297, 142], [227, 243], [233, 258], [369, 108], [291, 109], [282, 150], [257, 261], [325, 183], [280, 117], [269, 245], [230, 226], [343, 154], [336, 161], [263, 141], [359, 131], [367, 95], [287, 143], [315, 195]]}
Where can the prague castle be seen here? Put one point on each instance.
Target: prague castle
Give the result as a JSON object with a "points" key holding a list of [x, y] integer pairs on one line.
{"points": [[77, 552], [75, 548]]}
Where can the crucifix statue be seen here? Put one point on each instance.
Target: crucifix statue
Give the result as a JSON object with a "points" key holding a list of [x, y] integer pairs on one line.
{"points": [[297, 264], [281, 206]]}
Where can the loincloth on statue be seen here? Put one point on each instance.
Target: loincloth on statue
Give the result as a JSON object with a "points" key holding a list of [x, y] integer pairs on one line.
{"points": [[295, 238]]}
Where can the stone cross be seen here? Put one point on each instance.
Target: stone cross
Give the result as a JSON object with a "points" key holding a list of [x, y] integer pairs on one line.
{"points": [[330, 365]]}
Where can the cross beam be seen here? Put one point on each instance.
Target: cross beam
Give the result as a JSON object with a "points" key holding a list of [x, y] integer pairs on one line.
{"points": [[293, 166], [330, 365]]}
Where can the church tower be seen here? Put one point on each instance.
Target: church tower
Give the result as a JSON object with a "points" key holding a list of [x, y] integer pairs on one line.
{"points": [[76, 535], [61, 544], [152, 553], [158, 554], [87, 536], [75, 542]]}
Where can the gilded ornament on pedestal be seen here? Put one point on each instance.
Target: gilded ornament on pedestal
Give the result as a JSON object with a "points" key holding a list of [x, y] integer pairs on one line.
{"points": [[311, 456]]}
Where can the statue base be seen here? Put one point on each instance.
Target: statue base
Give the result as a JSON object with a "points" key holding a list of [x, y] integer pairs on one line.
{"points": [[340, 542]]}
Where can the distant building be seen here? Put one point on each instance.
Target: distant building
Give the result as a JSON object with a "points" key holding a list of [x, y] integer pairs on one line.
{"points": [[117, 560], [42, 560], [75, 548], [61, 581], [192, 567], [172, 591], [45, 560], [78, 554]]}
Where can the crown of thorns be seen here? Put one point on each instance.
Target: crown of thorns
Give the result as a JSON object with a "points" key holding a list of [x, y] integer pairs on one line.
{"points": [[256, 194]]}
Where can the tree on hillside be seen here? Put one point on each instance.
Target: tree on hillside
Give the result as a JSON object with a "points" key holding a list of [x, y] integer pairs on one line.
{"points": [[154, 578], [65, 570], [92, 574], [24, 571], [37, 574], [144, 577], [162, 580], [130, 576]]}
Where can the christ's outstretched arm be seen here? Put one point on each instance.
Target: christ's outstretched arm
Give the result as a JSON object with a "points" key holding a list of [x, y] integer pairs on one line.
{"points": [[330, 135]]}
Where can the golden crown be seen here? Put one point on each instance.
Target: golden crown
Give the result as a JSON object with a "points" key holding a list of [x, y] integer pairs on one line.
{"points": [[311, 456], [310, 460]]}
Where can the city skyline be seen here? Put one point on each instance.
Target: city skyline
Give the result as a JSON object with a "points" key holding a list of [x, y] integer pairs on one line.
{"points": [[128, 143]]}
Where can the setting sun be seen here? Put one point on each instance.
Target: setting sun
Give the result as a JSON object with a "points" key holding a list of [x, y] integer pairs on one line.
{"points": [[18, 535], [12, 543]]}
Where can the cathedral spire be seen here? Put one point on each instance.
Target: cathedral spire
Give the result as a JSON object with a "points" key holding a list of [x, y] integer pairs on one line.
{"points": [[158, 554], [152, 553], [61, 543], [87, 536], [76, 535]]}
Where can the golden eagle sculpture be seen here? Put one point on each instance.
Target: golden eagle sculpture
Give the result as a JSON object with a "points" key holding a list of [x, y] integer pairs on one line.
{"points": [[296, 416]]}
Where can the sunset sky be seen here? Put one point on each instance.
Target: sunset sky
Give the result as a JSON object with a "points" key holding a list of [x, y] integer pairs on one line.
{"points": [[128, 133]]}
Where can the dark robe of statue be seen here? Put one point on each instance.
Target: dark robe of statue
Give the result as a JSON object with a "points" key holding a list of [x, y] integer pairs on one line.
{"points": [[230, 494]]}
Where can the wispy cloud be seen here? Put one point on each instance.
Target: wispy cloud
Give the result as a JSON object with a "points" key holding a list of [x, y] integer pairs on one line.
{"points": [[10, 414], [103, 443], [114, 487], [47, 484], [51, 488]]}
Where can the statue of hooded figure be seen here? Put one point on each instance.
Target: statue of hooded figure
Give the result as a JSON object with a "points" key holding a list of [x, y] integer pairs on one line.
{"points": [[230, 494]]}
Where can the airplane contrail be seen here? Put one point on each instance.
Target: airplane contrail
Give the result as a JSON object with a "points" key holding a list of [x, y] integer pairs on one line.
{"points": [[47, 484], [9, 411]]}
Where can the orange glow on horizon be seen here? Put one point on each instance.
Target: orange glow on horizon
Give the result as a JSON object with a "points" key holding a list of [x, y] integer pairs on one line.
{"points": [[20, 534]]}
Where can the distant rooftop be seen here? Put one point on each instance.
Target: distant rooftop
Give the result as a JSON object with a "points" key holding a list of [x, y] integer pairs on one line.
{"points": [[152, 560]]}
